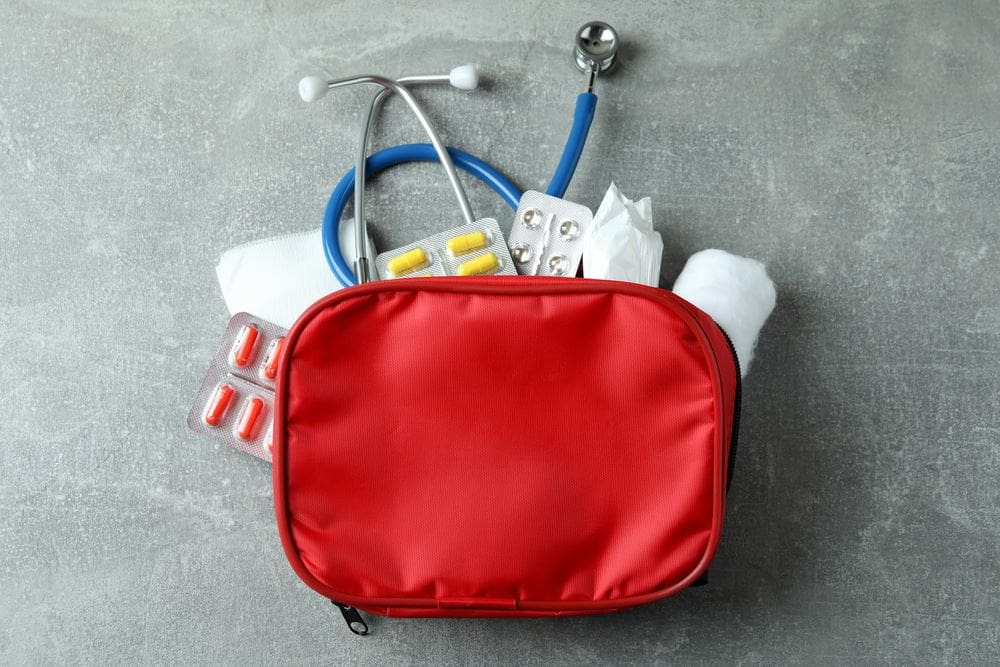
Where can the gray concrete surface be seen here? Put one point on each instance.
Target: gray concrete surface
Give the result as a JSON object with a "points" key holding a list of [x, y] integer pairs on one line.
{"points": [[854, 147]]}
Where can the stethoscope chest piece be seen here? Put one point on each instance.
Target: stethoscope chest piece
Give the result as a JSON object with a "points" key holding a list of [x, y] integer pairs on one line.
{"points": [[596, 47]]}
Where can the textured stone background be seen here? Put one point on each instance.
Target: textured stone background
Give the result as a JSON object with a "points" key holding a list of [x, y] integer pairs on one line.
{"points": [[854, 147]]}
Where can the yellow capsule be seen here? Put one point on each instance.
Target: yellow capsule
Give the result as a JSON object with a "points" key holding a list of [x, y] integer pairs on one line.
{"points": [[408, 261], [459, 245], [487, 263]]}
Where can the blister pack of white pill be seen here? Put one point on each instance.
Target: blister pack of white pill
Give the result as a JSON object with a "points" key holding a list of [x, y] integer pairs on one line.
{"points": [[235, 404], [478, 249], [548, 234]]}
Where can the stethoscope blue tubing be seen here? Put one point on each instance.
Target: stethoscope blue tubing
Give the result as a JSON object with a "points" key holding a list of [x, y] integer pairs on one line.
{"points": [[485, 172]]}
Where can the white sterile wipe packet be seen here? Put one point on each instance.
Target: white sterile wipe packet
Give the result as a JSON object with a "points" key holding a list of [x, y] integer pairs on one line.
{"points": [[277, 278], [623, 244]]}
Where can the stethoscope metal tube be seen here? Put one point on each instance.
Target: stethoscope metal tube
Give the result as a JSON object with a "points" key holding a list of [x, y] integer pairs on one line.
{"points": [[362, 269], [310, 89]]}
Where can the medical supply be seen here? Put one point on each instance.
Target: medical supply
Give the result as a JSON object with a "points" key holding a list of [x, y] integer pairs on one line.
{"points": [[277, 278], [463, 77], [548, 235], [312, 88], [623, 244], [735, 291], [459, 245], [483, 265], [391, 428], [218, 405], [245, 342], [595, 49], [270, 369], [408, 261], [429, 460], [235, 402], [235, 412], [470, 250], [249, 420]]}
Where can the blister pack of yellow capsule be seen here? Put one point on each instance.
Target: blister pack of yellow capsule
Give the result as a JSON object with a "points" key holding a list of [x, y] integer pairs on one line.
{"points": [[478, 249]]}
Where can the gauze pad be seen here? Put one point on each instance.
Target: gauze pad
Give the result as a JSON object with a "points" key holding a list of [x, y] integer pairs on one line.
{"points": [[735, 291], [623, 244], [279, 277]]}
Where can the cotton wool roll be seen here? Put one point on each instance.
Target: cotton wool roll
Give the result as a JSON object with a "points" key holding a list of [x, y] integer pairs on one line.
{"points": [[735, 291]]}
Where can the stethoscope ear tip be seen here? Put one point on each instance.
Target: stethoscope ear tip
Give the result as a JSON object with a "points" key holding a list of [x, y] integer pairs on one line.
{"points": [[464, 77], [311, 88]]}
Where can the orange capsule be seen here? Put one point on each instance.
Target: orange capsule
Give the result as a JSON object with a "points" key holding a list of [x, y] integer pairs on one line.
{"points": [[249, 418], [271, 365], [245, 342], [220, 402]]}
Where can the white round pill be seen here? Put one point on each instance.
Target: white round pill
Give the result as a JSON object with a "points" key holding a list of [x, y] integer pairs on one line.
{"points": [[569, 229], [558, 264], [521, 253], [531, 218]]}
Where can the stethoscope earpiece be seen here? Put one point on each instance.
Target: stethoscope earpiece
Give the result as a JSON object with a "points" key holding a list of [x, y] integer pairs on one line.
{"points": [[311, 88], [464, 77]]}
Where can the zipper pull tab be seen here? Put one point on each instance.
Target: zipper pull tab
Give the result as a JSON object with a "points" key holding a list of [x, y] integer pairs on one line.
{"points": [[355, 622]]}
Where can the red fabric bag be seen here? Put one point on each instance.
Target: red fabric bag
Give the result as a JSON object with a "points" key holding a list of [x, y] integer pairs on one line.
{"points": [[502, 446]]}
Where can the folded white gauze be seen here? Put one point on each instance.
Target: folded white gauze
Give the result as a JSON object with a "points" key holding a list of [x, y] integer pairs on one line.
{"points": [[735, 291], [622, 244], [279, 277]]}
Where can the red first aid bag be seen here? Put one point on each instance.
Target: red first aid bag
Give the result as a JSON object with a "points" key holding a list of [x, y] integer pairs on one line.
{"points": [[502, 446]]}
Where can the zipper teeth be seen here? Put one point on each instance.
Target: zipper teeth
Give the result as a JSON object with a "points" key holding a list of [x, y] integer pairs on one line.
{"points": [[737, 399]]}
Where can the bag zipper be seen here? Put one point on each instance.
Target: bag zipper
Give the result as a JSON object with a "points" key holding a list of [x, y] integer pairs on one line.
{"points": [[734, 437], [737, 399], [352, 617], [355, 621]]}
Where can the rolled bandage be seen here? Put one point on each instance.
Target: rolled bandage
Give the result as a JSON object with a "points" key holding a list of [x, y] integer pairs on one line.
{"points": [[735, 291]]}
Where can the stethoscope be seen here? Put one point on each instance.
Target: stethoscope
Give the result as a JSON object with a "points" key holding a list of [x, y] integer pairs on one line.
{"points": [[596, 46]]}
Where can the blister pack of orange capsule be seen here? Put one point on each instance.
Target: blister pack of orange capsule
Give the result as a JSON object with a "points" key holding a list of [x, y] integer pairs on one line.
{"points": [[235, 404]]}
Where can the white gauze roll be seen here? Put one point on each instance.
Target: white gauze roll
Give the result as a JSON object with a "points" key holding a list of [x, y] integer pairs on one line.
{"points": [[735, 291]]}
